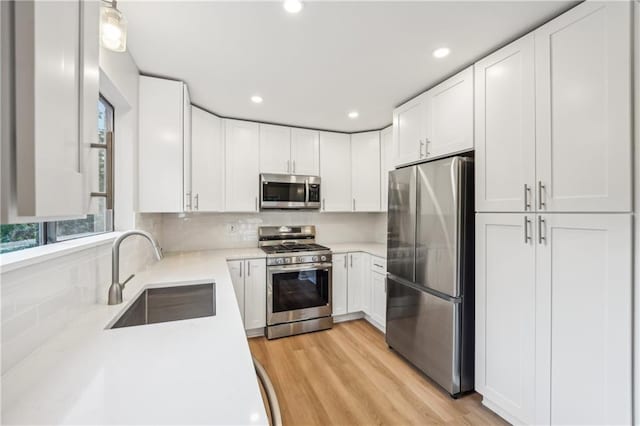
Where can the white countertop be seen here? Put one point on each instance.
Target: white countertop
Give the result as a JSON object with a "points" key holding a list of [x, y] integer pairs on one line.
{"points": [[198, 371]]}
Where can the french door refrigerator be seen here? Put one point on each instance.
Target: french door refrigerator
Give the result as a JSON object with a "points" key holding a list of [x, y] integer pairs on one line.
{"points": [[430, 270]]}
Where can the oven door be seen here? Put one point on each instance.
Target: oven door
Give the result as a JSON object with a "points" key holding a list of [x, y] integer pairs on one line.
{"points": [[298, 292]]}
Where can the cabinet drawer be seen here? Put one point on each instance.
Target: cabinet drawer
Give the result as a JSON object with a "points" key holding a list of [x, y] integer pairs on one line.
{"points": [[378, 264]]}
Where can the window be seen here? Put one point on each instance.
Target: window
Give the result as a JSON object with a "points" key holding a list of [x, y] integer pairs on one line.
{"points": [[100, 216]]}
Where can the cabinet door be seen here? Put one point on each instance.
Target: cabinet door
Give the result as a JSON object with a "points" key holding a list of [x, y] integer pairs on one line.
{"points": [[450, 115], [339, 283], [505, 129], [255, 294], [356, 282], [584, 319], [387, 162], [505, 313], [161, 145], [236, 270], [365, 171], [49, 180], [275, 149], [207, 165], [305, 152], [335, 172], [378, 298], [242, 166], [583, 109], [187, 157], [409, 130]]}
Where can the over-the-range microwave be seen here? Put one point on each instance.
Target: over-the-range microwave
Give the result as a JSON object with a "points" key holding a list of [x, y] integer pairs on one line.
{"points": [[289, 191]]}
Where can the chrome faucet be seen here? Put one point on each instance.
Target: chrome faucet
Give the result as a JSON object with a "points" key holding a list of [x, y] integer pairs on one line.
{"points": [[115, 290]]}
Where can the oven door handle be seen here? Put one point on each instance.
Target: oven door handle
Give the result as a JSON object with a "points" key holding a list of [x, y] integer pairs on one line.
{"points": [[302, 267]]}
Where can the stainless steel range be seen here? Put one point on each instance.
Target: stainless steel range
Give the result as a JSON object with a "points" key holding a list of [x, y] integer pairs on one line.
{"points": [[298, 280]]}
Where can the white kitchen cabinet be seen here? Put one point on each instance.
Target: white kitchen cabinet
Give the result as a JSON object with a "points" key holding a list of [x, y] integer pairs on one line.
{"points": [[236, 270], [56, 92], [249, 278], [583, 109], [188, 199], [505, 314], [255, 294], [365, 171], [584, 319], [207, 161], [335, 172], [505, 129], [554, 322], [339, 284], [410, 130], [305, 152], [164, 127], [378, 307], [357, 275], [275, 149], [242, 146], [387, 163], [449, 108]]}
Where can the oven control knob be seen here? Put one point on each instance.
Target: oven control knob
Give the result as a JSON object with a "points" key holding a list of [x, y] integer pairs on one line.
{"points": [[314, 259], [287, 260], [323, 258], [280, 261]]}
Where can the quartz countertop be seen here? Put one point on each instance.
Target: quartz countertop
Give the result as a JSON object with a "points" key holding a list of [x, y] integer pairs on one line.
{"points": [[376, 249], [197, 371]]}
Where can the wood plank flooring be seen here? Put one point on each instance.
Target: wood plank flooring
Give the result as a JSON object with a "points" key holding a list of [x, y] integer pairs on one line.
{"points": [[348, 376]]}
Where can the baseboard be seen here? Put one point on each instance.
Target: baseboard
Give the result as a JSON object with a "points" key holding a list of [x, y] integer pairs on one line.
{"points": [[255, 332], [348, 317], [374, 323], [500, 412]]}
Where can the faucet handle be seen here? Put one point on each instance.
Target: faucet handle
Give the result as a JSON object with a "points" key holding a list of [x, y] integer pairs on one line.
{"points": [[127, 280]]}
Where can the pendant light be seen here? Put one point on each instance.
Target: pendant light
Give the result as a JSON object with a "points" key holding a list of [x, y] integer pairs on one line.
{"points": [[113, 27]]}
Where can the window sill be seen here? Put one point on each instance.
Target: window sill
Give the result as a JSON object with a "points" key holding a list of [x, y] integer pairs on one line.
{"points": [[22, 258]]}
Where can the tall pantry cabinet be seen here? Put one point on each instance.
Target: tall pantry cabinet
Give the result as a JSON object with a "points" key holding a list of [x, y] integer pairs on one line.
{"points": [[553, 228]]}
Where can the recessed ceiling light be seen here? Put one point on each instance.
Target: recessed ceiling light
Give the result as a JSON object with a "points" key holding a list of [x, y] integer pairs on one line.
{"points": [[441, 52], [353, 114], [292, 6], [256, 99]]}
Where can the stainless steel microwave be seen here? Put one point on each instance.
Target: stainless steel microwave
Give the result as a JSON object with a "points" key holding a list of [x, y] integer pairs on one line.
{"points": [[289, 191]]}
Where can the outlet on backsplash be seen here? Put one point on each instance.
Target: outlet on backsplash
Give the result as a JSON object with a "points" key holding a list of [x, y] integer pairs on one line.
{"points": [[232, 228]]}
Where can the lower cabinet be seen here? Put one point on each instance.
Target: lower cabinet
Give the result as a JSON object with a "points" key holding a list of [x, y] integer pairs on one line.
{"points": [[553, 317], [339, 284], [378, 306], [249, 279], [356, 282]]}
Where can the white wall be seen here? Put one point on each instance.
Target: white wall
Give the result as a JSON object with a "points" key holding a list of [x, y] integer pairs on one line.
{"points": [[212, 231]]}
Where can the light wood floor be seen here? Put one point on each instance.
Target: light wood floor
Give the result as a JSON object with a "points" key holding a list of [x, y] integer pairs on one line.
{"points": [[348, 376]]}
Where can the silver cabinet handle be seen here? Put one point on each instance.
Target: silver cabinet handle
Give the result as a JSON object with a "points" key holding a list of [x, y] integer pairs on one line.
{"points": [[527, 237], [421, 145], [426, 147], [541, 203], [379, 266], [324, 204], [241, 268], [288, 167], [345, 261], [248, 268], [541, 225], [256, 207], [527, 192], [196, 201], [354, 204], [188, 201], [351, 260]]}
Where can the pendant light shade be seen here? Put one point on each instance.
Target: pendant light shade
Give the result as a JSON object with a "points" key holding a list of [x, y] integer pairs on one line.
{"points": [[113, 27]]}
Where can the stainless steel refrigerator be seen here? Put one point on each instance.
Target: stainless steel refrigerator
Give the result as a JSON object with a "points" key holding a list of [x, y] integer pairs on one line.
{"points": [[430, 270]]}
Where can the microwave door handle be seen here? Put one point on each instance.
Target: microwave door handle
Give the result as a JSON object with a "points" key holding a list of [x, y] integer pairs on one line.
{"points": [[306, 192]]}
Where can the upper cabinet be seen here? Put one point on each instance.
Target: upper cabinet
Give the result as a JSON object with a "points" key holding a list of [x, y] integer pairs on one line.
{"points": [[553, 133], [163, 120], [335, 172], [275, 149], [387, 160], [305, 152], [505, 129], [449, 108], [288, 150], [365, 171], [242, 143], [437, 123], [55, 106], [207, 161], [583, 109]]}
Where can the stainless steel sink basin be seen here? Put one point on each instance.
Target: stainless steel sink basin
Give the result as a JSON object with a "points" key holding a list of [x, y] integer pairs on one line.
{"points": [[170, 304]]}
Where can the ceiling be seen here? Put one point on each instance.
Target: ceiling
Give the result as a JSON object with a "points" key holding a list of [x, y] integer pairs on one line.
{"points": [[333, 57]]}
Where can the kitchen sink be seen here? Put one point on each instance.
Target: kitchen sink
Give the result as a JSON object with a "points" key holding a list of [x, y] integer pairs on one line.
{"points": [[165, 304]]}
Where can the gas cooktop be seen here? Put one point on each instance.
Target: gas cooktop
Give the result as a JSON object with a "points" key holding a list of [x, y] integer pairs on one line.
{"points": [[293, 248]]}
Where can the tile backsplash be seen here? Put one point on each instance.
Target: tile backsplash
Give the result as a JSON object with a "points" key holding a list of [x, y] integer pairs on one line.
{"points": [[204, 231]]}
